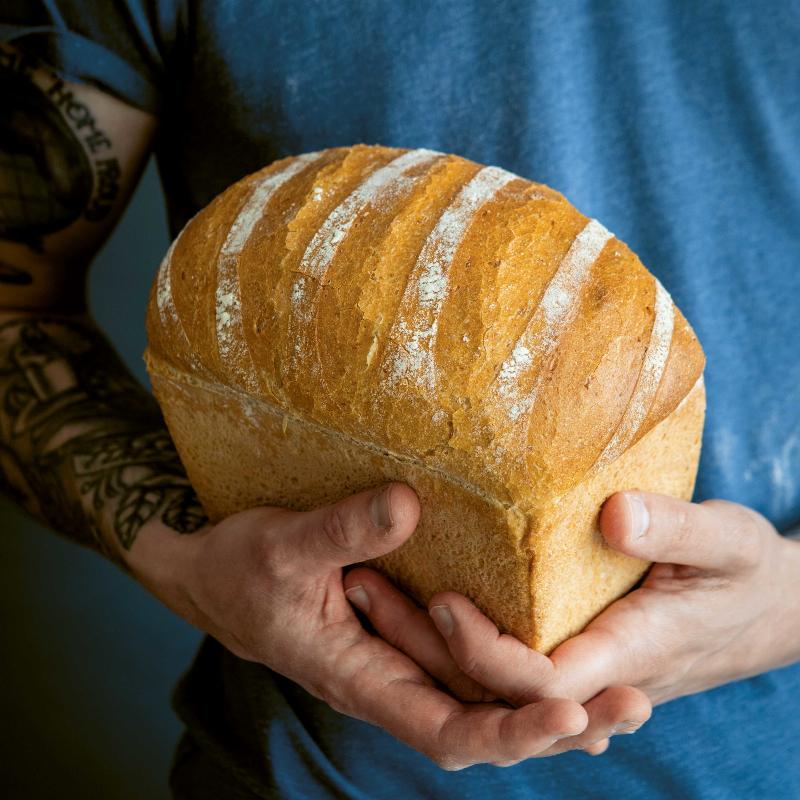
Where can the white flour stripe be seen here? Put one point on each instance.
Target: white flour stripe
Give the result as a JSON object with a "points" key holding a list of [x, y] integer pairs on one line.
{"points": [[428, 284], [553, 315], [655, 360], [164, 300], [167, 311], [231, 341], [387, 181]]}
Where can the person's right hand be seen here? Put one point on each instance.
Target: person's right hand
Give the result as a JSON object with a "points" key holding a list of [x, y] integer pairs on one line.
{"points": [[267, 583]]}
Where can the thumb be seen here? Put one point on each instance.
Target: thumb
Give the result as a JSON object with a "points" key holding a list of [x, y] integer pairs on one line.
{"points": [[365, 525], [713, 535]]}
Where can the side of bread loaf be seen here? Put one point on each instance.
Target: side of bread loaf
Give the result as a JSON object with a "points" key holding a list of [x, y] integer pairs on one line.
{"points": [[413, 315]]}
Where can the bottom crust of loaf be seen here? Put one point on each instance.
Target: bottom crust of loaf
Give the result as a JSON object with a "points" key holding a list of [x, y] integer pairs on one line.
{"points": [[539, 576]]}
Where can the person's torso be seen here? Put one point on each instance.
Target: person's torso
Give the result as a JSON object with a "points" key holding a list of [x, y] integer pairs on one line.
{"points": [[677, 126]]}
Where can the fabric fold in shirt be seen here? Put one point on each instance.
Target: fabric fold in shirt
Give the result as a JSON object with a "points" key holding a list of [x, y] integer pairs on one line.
{"points": [[82, 60]]}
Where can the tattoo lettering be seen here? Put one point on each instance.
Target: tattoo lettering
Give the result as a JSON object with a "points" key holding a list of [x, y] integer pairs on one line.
{"points": [[107, 170], [79, 115], [56, 163], [108, 173], [84, 447]]}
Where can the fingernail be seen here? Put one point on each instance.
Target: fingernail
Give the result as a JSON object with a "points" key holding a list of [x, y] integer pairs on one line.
{"points": [[639, 515], [626, 727], [358, 596], [443, 619], [380, 509]]}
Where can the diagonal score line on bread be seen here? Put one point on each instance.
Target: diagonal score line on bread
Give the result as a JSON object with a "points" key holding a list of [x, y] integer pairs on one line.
{"points": [[389, 180], [427, 287], [167, 311], [556, 310], [166, 305], [231, 342], [655, 361]]}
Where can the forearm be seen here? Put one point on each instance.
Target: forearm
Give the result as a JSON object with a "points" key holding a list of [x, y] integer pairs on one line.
{"points": [[83, 446]]}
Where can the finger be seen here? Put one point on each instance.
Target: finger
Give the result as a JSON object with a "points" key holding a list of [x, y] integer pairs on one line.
{"points": [[618, 709], [521, 675], [598, 748], [407, 627], [387, 689], [594, 659], [500, 662], [714, 535], [365, 525], [486, 733]]}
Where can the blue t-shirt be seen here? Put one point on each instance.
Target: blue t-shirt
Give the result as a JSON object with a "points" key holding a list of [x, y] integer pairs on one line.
{"points": [[676, 124]]}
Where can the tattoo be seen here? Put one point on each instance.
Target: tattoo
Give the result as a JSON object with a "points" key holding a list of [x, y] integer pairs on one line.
{"points": [[144, 474], [56, 164], [83, 445]]}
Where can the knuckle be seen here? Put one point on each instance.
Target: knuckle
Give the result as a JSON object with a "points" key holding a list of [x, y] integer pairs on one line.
{"points": [[744, 528], [747, 539], [471, 654], [266, 549], [470, 665], [400, 631], [338, 530], [465, 688], [683, 527], [273, 559], [474, 657]]}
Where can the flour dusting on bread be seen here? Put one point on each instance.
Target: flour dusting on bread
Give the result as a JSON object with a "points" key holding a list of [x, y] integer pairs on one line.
{"points": [[412, 358], [555, 312], [231, 341], [387, 181], [655, 361], [165, 302]]}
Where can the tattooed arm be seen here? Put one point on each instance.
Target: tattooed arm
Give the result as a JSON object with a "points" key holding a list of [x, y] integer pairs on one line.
{"points": [[83, 448], [82, 445]]}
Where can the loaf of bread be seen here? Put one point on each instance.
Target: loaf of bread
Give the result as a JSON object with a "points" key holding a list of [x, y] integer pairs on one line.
{"points": [[362, 314]]}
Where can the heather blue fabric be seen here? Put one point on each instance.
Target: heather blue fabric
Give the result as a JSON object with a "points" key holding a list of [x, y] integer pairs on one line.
{"points": [[675, 124]]}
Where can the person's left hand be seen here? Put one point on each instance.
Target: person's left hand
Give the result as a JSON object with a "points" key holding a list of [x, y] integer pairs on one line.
{"points": [[722, 602]]}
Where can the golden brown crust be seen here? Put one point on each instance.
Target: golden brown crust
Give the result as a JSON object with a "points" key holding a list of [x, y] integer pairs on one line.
{"points": [[344, 354], [259, 271]]}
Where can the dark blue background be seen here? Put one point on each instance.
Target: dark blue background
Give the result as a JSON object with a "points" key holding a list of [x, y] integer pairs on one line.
{"points": [[87, 657]]}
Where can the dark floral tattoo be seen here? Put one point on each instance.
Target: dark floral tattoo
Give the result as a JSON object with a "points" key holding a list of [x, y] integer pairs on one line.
{"points": [[83, 446]]}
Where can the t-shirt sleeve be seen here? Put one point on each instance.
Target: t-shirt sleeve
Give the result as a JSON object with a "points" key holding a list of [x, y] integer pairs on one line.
{"points": [[122, 47]]}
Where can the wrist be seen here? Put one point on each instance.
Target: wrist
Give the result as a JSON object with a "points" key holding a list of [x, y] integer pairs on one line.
{"points": [[164, 562]]}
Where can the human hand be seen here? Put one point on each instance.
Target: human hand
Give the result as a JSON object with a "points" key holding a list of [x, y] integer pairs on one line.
{"points": [[722, 602], [267, 583]]}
